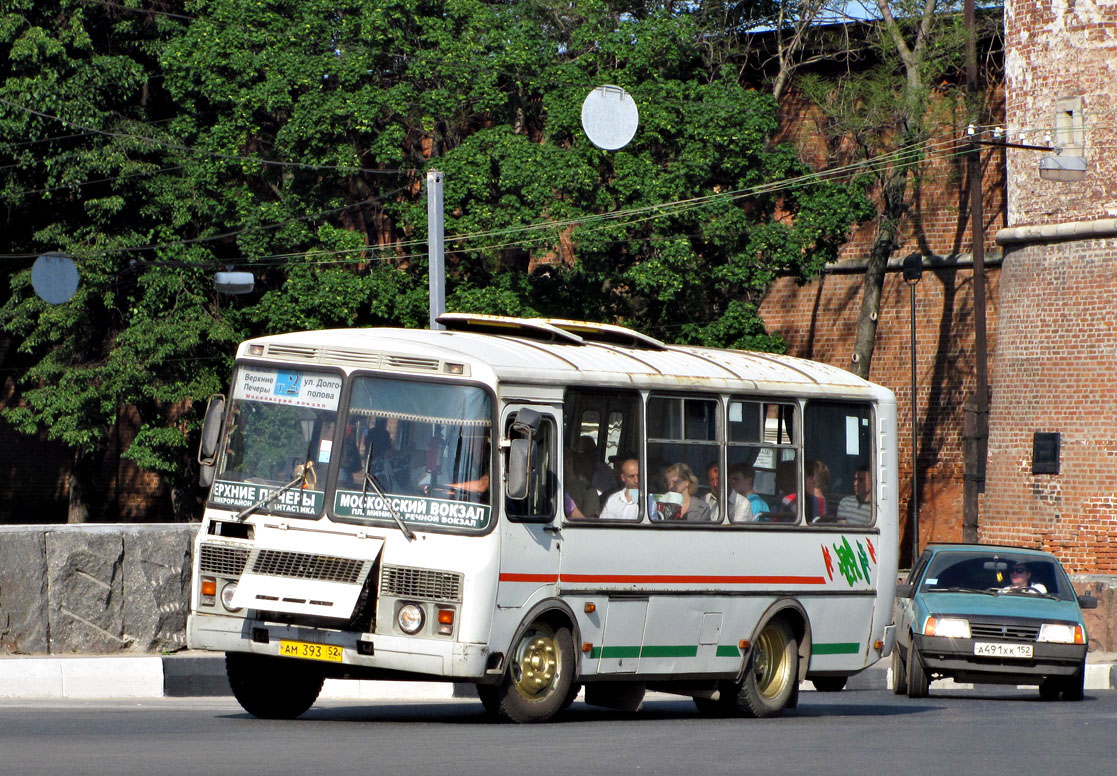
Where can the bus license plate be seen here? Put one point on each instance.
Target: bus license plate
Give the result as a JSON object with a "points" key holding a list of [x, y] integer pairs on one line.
{"points": [[308, 651], [990, 649]]}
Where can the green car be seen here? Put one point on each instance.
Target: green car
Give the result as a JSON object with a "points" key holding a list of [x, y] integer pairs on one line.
{"points": [[988, 614]]}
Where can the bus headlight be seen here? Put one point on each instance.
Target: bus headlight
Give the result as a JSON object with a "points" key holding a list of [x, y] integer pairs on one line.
{"points": [[410, 618], [227, 593]]}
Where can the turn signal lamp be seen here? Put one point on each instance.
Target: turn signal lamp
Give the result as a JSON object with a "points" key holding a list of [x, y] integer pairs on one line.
{"points": [[209, 587], [590, 607], [445, 621], [255, 350]]}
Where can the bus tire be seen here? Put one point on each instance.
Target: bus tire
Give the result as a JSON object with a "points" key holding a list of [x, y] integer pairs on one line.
{"points": [[539, 681], [772, 672], [271, 687], [899, 672], [919, 683]]}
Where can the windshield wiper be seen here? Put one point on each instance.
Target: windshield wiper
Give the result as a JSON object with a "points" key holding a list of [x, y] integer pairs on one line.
{"points": [[961, 590], [304, 470], [370, 480]]}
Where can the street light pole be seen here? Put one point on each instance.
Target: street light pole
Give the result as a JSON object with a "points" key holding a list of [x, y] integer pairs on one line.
{"points": [[913, 272]]}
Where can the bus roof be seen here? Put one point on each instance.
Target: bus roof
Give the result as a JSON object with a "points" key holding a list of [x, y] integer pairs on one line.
{"points": [[538, 350]]}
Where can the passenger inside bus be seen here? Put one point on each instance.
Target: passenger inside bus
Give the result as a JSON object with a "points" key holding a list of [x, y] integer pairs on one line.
{"points": [[680, 479], [739, 511], [582, 498], [741, 480], [624, 504], [858, 508]]}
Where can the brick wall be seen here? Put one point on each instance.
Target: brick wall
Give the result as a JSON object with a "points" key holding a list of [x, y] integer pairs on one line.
{"points": [[1058, 322], [1056, 50]]}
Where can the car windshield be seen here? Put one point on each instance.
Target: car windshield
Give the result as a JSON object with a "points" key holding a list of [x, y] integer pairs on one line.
{"points": [[278, 441], [997, 573]]}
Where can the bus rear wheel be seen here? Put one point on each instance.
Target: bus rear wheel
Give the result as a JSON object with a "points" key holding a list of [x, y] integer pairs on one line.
{"points": [[772, 672], [272, 687], [539, 682]]}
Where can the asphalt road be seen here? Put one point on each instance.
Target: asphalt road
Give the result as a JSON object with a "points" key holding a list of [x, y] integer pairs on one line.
{"points": [[986, 731]]}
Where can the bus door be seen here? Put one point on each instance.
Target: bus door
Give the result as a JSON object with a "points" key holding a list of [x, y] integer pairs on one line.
{"points": [[529, 539]]}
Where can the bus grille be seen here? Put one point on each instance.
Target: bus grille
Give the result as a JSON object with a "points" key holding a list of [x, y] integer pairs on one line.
{"points": [[400, 582], [219, 559], [301, 565], [1004, 630]]}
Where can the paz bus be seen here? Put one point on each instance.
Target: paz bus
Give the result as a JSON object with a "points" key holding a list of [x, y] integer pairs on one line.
{"points": [[543, 507]]}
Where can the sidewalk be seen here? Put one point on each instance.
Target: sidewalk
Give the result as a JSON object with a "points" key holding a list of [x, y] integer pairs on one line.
{"points": [[194, 674]]}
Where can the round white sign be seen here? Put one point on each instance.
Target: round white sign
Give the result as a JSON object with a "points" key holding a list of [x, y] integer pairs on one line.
{"points": [[610, 117]]}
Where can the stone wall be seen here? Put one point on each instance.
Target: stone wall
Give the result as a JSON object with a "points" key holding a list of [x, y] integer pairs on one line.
{"points": [[95, 589]]}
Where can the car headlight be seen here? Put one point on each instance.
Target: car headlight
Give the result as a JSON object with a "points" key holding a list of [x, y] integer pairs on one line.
{"points": [[410, 618], [1061, 633], [947, 627]]}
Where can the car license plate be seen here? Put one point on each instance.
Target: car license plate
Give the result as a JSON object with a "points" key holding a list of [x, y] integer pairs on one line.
{"points": [[992, 649], [308, 651]]}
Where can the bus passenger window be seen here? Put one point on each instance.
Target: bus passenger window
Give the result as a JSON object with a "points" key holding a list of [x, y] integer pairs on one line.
{"points": [[836, 439], [684, 463], [602, 432], [763, 462]]}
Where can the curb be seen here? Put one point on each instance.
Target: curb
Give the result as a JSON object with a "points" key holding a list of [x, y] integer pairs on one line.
{"points": [[203, 675]]}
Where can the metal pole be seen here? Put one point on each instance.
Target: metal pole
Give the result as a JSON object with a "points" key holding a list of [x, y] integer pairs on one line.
{"points": [[436, 248], [914, 442], [975, 480]]}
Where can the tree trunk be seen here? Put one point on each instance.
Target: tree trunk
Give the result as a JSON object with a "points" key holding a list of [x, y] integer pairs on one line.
{"points": [[78, 483], [886, 241]]}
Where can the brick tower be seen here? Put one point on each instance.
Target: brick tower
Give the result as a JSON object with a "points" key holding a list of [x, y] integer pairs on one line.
{"points": [[1052, 465]]}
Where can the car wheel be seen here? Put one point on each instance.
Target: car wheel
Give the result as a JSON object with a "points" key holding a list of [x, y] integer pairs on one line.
{"points": [[830, 683], [918, 681], [1049, 689], [1075, 684], [772, 672], [899, 672]]}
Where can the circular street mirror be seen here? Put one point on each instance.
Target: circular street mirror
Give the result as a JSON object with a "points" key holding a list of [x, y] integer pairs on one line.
{"points": [[54, 278], [610, 117]]}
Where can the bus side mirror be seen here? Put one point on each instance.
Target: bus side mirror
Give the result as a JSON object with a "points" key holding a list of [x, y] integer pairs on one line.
{"points": [[211, 430], [519, 468]]}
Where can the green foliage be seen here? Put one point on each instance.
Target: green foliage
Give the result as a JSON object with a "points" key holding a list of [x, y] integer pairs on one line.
{"points": [[291, 139]]}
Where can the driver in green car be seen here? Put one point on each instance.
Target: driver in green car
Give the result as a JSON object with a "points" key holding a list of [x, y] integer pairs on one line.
{"points": [[1021, 579]]}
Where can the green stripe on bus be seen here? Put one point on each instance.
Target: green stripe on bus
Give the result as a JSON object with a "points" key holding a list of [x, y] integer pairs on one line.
{"points": [[837, 648], [669, 651], [728, 650]]}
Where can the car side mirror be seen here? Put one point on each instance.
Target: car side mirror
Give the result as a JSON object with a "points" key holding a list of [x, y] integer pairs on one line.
{"points": [[905, 590], [1087, 601]]}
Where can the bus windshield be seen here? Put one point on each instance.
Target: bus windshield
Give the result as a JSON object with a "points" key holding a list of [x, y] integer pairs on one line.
{"points": [[279, 429], [422, 449]]}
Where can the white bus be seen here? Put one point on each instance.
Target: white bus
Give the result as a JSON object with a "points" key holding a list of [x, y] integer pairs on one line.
{"points": [[538, 506]]}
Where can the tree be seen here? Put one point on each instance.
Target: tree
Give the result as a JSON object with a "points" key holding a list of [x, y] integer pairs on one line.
{"points": [[291, 139], [884, 109]]}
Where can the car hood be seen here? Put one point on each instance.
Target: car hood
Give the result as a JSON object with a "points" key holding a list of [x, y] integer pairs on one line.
{"points": [[1011, 605]]}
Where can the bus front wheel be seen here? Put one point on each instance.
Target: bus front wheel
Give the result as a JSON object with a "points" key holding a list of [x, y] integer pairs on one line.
{"points": [[539, 682], [272, 687], [772, 672]]}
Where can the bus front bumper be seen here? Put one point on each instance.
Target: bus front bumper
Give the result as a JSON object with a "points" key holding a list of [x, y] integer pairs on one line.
{"points": [[431, 658]]}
